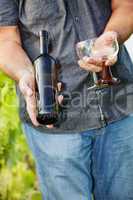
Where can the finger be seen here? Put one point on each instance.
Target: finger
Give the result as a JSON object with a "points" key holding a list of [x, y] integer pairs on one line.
{"points": [[111, 61], [56, 71], [94, 68], [32, 116], [60, 99], [50, 126], [59, 86], [93, 61], [89, 67], [82, 64], [31, 108]]}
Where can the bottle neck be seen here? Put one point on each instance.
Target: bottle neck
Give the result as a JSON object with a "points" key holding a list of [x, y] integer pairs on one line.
{"points": [[44, 42]]}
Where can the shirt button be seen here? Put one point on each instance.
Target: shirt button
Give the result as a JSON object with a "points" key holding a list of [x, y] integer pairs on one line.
{"points": [[76, 19]]}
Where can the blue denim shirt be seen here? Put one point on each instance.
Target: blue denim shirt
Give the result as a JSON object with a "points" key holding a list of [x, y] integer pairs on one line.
{"points": [[68, 23]]}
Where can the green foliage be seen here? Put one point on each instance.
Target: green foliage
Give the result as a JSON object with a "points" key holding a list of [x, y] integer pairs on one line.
{"points": [[17, 171]]}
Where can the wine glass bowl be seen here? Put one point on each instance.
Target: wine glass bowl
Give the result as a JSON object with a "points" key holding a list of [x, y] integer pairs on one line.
{"points": [[93, 49], [84, 48]]}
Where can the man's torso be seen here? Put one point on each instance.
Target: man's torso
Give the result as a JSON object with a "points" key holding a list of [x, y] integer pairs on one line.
{"points": [[69, 22]]}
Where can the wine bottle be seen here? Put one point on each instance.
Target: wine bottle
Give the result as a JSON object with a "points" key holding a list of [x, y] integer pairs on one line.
{"points": [[45, 95]]}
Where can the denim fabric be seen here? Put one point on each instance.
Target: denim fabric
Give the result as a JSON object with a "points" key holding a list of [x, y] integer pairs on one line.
{"points": [[73, 166], [69, 22]]}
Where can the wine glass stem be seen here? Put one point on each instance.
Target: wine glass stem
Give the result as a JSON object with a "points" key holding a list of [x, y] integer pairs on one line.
{"points": [[95, 77], [106, 73]]}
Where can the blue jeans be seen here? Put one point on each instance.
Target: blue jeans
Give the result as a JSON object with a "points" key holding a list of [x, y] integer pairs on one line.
{"points": [[73, 166]]}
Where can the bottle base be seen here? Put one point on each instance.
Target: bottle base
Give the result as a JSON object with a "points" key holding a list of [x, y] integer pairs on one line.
{"points": [[47, 118]]}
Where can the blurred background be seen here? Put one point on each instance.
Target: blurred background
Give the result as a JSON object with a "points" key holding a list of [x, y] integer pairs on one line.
{"points": [[18, 180], [129, 45]]}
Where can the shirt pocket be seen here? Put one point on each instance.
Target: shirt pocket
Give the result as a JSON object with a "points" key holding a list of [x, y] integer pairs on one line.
{"points": [[38, 10]]}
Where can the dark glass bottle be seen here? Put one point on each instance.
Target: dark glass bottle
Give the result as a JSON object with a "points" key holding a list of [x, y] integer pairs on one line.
{"points": [[44, 68]]}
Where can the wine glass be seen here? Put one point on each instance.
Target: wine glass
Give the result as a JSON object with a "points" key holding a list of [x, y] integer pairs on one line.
{"points": [[91, 48]]}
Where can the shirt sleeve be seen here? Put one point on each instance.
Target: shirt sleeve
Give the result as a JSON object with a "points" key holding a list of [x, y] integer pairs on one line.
{"points": [[8, 13]]}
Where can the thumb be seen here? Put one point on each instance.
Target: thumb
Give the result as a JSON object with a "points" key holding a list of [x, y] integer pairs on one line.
{"points": [[111, 61]]}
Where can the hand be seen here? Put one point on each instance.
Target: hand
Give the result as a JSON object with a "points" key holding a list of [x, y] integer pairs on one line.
{"points": [[27, 87], [103, 43]]}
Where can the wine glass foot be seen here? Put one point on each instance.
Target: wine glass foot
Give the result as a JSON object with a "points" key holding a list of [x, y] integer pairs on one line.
{"points": [[92, 87], [108, 82], [105, 83], [98, 86]]}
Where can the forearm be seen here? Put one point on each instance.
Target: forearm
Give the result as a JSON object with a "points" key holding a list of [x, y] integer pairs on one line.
{"points": [[13, 60], [121, 22]]}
